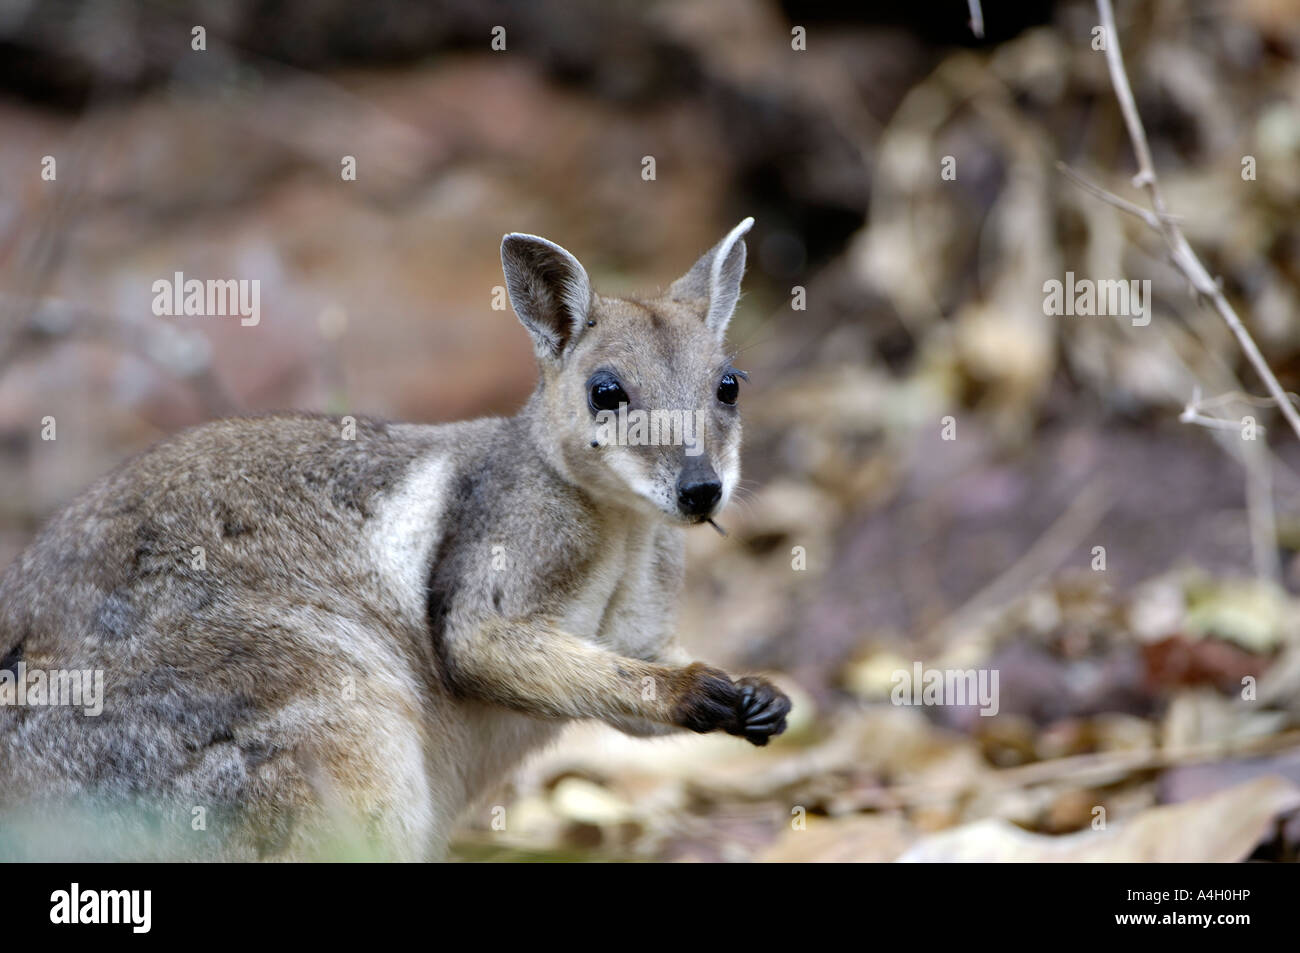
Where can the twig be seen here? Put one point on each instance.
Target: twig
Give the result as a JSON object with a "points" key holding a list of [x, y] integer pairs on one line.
{"points": [[1237, 396], [1191, 416], [1192, 413], [1086, 770], [1259, 478], [1184, 258], [1123, 204]]}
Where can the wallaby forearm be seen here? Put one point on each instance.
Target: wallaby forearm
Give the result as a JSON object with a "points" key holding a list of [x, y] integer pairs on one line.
{"points": [[534, 667], [531, 666]]}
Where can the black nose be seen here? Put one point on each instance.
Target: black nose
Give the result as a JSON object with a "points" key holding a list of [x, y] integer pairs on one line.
{"points": [[698, 498]]}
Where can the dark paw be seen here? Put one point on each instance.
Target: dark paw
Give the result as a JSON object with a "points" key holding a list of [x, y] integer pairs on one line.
{"points": [[752, 708], [707, 700], [761, 711]]}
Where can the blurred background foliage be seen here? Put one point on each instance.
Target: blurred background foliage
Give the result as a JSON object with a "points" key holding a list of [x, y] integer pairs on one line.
{"points": [[1120, 688]]}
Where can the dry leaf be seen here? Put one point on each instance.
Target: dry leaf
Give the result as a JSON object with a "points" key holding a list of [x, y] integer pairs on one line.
{"points": [[1223, 828], [863, 838]]}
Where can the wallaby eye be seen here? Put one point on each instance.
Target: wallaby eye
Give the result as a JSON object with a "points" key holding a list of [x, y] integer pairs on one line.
{"points": [[606, 393], [728, 389]]}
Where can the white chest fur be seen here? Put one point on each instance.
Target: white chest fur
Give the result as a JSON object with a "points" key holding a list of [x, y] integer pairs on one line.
{"points": [[623, 605]]}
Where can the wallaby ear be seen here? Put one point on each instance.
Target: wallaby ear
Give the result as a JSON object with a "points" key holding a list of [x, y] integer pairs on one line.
{"points": [[549, 289], [716, 278]]}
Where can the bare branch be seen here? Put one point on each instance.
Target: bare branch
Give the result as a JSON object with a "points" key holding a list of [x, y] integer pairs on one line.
{"points": [[1123, 204], [1184, 258]]}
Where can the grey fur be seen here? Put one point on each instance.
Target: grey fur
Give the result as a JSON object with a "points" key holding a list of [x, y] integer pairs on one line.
{"points": [[384, 625]]}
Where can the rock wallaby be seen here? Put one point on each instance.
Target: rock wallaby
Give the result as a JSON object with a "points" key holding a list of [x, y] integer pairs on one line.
{"points": [[308, 625]]}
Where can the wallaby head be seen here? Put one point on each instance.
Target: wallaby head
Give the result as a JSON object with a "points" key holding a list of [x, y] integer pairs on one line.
{"points": [[637, 402]]}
